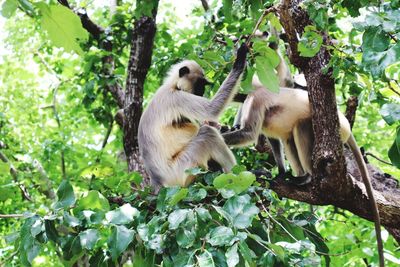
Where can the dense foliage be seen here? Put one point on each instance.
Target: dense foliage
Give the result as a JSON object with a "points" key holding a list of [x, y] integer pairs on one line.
{"points": [[80, 205]]}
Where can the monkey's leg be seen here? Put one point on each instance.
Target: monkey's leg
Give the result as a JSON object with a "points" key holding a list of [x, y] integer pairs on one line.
{"points": [[277, 151], [304, 140], [238, 118], [292, 156], [208, 144]]}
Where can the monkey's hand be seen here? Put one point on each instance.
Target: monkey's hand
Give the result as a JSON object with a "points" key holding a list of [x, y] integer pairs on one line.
{"points": [[213, 124], [240, 61]]}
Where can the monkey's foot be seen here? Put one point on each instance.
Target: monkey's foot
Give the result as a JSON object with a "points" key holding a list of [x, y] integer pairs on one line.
{"points": [[261, 172], [300, 180], [296, 180]]}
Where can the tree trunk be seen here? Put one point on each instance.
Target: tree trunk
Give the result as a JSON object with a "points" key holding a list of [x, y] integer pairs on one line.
{"points": [[138, 66], [331, 174]]}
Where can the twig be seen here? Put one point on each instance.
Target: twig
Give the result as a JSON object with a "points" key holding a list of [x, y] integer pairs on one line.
{"points": [[377, 158], [205, 5], [14, 175], [392, 89], [260, 20], [103, 145], [11, 216]]}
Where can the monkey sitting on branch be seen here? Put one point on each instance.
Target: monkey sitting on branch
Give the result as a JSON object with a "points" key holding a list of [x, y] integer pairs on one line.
{"points": [[285, 118], [170, 138]]}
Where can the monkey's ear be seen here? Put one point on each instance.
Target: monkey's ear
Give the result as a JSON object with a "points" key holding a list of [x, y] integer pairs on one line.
{"points": [[182, 71]]}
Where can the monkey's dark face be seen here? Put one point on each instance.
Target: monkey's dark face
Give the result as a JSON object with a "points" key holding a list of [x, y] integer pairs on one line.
{"points": [[199, 86], [195, 80]]}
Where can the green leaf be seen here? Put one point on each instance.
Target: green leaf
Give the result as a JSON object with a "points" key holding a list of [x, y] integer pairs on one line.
{"points": [[220, 236], [119, 240], [390, 113], [70, 220], [65, 194], [376, 62], [186, 237], [232, 256], [352, 6], [266, 74], [227, 7], [394, 151], [310, 42], [122, 215], [375, 39], [63, 27], [247, 253], [203, 214], [241, 211], [88, 238], [237, 183], [136, 178], [205, 259], [181, 194], [28, 248], [93, 201], [51, 231], [8, 8], [177, 217]]}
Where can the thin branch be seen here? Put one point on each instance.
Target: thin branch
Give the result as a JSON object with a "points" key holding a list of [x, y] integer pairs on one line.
{"points": [[14, 175], [379, 159], [6, 216], [392, 88], [103, 145], [272, 9]]}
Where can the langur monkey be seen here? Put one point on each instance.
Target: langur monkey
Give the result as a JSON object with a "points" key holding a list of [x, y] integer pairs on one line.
{"points": [[285, 117], [170, 138]]}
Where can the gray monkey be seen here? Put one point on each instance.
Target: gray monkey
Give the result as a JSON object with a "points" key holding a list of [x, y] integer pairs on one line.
{"points": [[170, 137]]}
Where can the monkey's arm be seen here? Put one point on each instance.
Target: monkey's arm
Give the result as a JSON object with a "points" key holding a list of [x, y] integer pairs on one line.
{"points": [[251, 123], [226, 91], [201, 108]]}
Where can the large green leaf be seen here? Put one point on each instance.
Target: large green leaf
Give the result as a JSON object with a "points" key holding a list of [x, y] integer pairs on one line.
{"points": [[28, 248], [241, 211], [119, 240], [93, 201], [8, 8], [122, 215], [220, 236], [310, 42], [390, 113], [205, 259], [65, 194], [376, 62], [63, 27], [177, 217], [237, 183], [266, 74], [88, 238], [375, 39], [232, 256], [394, 151]]}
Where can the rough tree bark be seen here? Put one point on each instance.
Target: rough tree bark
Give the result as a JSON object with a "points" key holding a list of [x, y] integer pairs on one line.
{"points": [[138, 66], [331, 174]]}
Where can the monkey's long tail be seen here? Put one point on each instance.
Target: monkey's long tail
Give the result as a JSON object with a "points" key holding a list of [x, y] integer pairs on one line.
{"points": [[367, 182]]}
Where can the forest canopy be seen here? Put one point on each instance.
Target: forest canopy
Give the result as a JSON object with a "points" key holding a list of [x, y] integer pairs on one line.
{"points": [[75, 77]]}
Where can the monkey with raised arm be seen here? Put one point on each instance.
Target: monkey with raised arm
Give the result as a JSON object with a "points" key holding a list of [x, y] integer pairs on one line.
{"points": [[170, 137]]}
